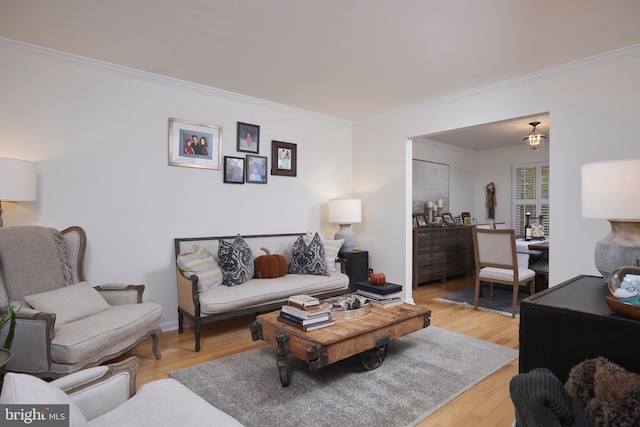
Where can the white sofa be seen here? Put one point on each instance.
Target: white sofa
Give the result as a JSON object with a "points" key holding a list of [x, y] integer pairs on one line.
{"points": [[105, 396], [256, 295]]}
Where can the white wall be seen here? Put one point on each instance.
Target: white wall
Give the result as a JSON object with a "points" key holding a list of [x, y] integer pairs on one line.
{"points": [[593, 110], [99, 135]]}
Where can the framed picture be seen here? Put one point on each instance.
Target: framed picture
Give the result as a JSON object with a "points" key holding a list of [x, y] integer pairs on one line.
{"points": [[233, 170], [421, 220], [248, 138], [459, 220], [256, 169], [195, 145], [284, 158], [447, 219]]}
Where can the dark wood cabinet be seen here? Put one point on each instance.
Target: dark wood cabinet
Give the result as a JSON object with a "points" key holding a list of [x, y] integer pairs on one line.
{"points": [[441, 252], [357, 266], [571, 322]]}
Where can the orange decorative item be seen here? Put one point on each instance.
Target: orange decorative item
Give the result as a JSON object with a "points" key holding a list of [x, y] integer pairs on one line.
{"points": [[270, 266], [377, 278]]}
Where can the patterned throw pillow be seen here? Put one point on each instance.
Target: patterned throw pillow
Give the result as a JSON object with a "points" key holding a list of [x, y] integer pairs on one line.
{"points": [[236, 261], [201, 262], [308, 259]]}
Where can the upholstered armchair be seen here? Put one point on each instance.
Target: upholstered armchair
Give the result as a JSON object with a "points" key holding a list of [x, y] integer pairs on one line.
{"points": [[64, 324], [105, 396]]}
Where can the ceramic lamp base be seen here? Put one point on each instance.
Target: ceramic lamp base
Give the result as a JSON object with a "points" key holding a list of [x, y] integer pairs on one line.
{"points": [[620, 248], [346, 233]]}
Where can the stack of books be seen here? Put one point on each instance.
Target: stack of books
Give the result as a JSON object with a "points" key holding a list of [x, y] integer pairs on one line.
{"points": [[387, 295], [304, 312]]}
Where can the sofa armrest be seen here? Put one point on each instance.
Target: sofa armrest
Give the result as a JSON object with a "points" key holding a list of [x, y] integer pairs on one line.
{"points": [[32, 341], [121, 293], [101, 389], [188, 297]]}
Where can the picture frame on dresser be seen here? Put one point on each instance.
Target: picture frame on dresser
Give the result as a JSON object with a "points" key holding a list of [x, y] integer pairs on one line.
{"points": [[447, 218], [421, 220]]}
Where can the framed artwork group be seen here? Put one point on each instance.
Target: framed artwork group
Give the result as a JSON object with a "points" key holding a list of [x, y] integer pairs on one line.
{"points": [[199, 145]]}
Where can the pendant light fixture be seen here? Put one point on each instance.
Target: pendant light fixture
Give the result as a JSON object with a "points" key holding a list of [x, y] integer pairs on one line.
{"points": [[535, 139]]}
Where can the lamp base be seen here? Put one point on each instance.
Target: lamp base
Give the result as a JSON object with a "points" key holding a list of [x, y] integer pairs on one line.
{"points": [[620, 248], [346, 233]]}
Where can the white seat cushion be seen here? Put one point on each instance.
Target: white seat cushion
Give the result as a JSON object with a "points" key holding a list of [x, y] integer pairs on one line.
{"points": [[503, 274], [104, 332], [256, 292], [165, 403]]}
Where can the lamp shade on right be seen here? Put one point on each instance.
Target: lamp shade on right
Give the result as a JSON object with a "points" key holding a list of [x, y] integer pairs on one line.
{"points": [[610, 190]]}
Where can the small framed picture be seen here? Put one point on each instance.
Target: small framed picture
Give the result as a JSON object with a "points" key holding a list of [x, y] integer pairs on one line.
{"points": [[256, 169], [194, 145], [284, 158], [421, 220], [459, 220], [248, 138], [233, 170], [447, 219]]}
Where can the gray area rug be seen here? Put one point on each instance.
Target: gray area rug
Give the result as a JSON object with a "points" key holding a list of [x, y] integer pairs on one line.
{"points": [[421, 373], [501, 303]]}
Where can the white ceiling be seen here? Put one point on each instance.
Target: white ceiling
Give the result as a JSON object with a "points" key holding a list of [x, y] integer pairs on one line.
{"points": [[349, 59]]}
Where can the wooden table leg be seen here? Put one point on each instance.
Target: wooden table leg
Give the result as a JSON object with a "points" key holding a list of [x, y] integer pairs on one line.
{"points": [[281, 358]]}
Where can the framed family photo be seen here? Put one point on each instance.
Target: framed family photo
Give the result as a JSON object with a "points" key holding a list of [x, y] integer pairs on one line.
{"points": [[256, 169], [233, 170], [195, 145], [248, 138], [284, 158]]}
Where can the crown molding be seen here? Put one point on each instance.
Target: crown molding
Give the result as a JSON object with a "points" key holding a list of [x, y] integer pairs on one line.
{"points": [[614, 55], [68, 58]]}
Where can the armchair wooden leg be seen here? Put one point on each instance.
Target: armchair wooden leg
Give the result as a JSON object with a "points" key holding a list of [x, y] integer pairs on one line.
{"points": [[197, 324], [156, 338]]}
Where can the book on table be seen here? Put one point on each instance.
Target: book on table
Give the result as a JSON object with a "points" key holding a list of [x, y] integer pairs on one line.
{"points": [[386, 304], [304, 301], [386, 289], [378, 297], [304, 322], [306, 314], [307, 328]]}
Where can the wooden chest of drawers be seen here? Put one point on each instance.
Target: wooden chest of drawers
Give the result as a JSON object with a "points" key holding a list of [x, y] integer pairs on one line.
{"points": [[441, 252]]}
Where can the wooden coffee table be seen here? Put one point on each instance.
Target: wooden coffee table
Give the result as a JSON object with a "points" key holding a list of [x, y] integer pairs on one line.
{"points": [[366, 336]]}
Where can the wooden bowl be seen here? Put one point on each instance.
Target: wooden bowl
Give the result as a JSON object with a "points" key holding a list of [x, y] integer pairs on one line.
{"points": [[623, 308]]}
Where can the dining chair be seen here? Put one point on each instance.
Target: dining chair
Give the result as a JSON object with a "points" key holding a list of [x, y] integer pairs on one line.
{"points": [[499, 225], [497, 262], [486, 226]]}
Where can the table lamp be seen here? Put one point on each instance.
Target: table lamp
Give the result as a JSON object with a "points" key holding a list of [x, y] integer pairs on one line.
{"points": [[610, 190], [17, 181], [345, 212]]}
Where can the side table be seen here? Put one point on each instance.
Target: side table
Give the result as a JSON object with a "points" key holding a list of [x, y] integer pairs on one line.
{"points": [[571, 322], [357, 266]]}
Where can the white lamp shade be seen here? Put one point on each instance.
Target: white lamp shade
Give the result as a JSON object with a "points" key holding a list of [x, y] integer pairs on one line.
{"points": [[17, 180], [610, 189], [345, 211]]}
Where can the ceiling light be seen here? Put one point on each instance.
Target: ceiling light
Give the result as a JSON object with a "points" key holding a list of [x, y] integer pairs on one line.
{"points": [[535, 139]]}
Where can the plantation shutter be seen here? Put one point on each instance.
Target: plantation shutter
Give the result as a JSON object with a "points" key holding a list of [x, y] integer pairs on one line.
{"points": [[530, 194]]}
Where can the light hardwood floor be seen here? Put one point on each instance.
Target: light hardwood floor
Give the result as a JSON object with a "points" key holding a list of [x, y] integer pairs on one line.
{"points": [[486, 404]]}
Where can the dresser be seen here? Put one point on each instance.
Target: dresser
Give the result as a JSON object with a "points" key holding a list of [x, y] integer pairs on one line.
{"points": [[571, 322], [441, 252]]}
